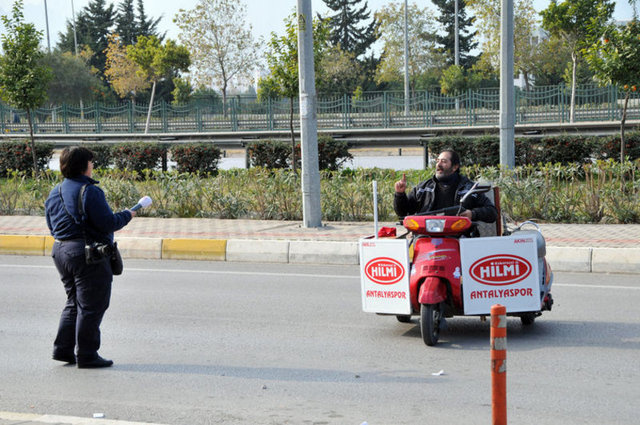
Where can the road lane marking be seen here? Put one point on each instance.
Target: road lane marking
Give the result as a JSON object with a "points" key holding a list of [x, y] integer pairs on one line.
{"points": [[323, 276]]}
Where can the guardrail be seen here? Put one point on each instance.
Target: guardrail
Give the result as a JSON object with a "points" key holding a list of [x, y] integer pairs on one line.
{"points": [[383, 110]]}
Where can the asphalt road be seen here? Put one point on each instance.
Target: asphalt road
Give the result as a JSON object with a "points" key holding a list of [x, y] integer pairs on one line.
{"points": [[235, 343]]}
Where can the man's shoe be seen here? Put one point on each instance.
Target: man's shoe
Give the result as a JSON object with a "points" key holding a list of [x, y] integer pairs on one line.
{"points": [[67, 358], [95, 363]]}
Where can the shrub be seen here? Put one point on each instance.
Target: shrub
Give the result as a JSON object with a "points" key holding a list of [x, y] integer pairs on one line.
{"points": [[196, 158], [138, 156], [332, 154], [16, 155], [102, 154], [609, 146], [269, 154], [565, 149]]}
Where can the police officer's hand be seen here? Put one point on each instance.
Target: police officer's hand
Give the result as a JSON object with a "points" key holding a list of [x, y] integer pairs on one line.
{"points": [[133, 213], [401, 185], [467, 213]]}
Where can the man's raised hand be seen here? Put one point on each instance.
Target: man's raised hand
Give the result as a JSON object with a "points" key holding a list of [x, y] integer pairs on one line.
{"points": [[401, 185]]}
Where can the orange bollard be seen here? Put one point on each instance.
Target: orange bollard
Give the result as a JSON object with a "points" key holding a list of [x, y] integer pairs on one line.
{"points": [[499, 364]]}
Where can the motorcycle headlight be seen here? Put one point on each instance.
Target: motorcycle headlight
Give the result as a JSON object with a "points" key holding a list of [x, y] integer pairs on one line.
{"points": [[435, 226]]}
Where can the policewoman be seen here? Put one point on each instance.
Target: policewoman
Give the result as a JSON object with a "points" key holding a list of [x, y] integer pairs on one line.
{"points": [[88, 286]]}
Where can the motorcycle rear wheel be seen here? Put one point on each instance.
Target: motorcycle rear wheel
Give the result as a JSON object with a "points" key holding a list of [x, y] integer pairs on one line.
{"points": [[402, 318], [430, 319]]}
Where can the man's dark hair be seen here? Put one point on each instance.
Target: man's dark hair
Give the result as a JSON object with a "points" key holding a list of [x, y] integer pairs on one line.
{"points": [[74, 161], [455, 158]]}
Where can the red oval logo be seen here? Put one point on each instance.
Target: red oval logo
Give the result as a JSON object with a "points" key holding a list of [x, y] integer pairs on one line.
{"points": [[499, 270], [384, 270]]}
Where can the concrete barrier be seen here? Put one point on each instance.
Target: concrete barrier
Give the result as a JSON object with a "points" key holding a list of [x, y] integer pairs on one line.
{"points": [[267, 251], [150, 248], [316, 252], [194, 249], [569, 259], [22, 245], [615, 260]]}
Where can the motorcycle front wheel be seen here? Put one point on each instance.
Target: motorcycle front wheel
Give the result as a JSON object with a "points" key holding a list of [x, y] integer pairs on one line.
{"points": [[430, 319]]}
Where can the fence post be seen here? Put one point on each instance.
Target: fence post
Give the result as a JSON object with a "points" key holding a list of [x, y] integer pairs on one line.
{"points": [[165, 124], [499, 364], [234, 117], [96, 113], [385, 110], [2, 118], [65, 118]]}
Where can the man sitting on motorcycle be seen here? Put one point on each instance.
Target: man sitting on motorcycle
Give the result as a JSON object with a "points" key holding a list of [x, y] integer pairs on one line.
{"points": [[442, 191]]}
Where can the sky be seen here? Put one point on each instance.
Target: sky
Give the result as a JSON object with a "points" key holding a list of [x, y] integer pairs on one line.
{"points": [[264, 16]]}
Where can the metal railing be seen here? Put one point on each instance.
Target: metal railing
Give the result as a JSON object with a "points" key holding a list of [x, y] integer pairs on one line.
{"points": [[371, 110]]}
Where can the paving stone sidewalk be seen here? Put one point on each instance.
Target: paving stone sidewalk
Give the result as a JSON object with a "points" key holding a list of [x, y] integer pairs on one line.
{"points": [[560, 235]]}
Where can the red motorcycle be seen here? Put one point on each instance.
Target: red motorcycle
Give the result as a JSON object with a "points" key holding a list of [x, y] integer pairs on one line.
{"points": [[435, 284]]}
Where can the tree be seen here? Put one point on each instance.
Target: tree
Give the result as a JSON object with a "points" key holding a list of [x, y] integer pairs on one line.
{"points": [[157, 62], [282, 59], [122, 72], [182, 91], [524, 16], [344, 27], [424, 55], [100, 20], [342, 73], [551, 58], [147, 26], [466, 37], [126, 25], [23, 76], [221, 43], [72, 79], [615, 59], [579, 23], [456, 80]]}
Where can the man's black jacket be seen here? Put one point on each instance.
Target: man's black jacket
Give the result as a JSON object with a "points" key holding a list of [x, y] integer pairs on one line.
{"points": [[421, 199]]}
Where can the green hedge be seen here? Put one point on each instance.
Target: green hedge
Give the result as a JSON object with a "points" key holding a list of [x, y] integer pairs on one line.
{"points": [[17, 156], [485, 150], [332, 154]]}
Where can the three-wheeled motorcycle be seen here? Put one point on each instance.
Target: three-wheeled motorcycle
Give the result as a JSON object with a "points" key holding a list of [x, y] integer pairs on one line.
{"points": [[452, 271]]}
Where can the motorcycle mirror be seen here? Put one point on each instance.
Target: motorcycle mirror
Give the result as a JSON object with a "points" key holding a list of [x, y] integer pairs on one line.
{"points": [[469, 192], [476, 188]]}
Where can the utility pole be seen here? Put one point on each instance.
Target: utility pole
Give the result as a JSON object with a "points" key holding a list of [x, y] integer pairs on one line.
{"points": [[507, 101], [456, 43], [46, 18], [406, 60], [311, 207]]}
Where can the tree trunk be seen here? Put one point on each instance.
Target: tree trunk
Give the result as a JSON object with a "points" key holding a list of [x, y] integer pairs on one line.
{"points": [[293, 137], [153, 93], [34, 157], [224, 101], [622, 121], [574, 71]]}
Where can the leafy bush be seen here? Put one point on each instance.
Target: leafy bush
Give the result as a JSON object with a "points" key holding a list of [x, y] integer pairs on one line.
{"points": [[566, 149], [609, 146], [196, 158], [102, 154], [269, 154], [332, 154], [16, 155], [138, 156]]}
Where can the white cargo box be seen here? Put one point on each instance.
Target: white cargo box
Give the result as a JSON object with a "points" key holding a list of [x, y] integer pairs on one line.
{"points": [[500, 270], [384, 276]]}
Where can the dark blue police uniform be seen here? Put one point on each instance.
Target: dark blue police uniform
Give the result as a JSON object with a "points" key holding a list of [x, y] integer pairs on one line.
{"points": [[88, 286]]}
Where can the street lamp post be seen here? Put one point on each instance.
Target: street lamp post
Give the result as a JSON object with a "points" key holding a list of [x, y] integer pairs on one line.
{"points": [[46, 18]]}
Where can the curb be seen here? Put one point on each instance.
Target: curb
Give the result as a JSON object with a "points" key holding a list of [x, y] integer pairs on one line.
{"points": [[564, 259]]}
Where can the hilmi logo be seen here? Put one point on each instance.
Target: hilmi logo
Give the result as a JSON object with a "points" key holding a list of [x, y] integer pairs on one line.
{"points": [[498, 270], [384, 270]]}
